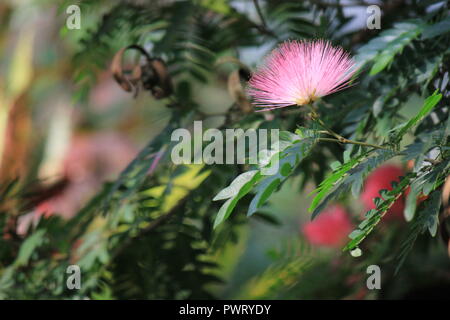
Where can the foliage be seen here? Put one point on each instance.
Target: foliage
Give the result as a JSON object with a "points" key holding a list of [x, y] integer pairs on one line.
{"points": [[155, 232]]}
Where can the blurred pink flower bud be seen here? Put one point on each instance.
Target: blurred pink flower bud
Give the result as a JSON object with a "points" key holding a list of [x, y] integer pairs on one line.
{"points": [[330, 229]]}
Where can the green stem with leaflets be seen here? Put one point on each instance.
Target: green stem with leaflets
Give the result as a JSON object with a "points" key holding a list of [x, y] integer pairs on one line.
{"points": [[340, 139]]}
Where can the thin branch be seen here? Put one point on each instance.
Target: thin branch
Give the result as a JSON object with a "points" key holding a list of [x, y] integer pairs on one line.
{"points": [[261, 16], [360, 143], [263, 28], [339, 138]]}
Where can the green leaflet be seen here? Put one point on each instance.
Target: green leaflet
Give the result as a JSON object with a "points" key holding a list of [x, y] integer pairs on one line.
{"points": [[237, 189], [411, 202], [427, 218], [237, 185], [374, 216], [436, 29], [290, 158], [385, 57], [28, 247], [432, 211], [428, 105], [382, 49], [349, 176], [331, 181], [294, 148]]}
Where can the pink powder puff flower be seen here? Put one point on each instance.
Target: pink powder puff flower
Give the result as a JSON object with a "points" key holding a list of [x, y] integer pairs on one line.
{"points": [[330, 228], [300, 72]]}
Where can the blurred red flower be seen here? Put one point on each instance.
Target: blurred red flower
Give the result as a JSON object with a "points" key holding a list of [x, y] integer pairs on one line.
{"points": [[330, 228], [380, 179]]}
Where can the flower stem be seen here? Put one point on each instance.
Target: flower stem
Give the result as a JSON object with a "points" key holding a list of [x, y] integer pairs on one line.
{"points": [[339, 138], [347, 141]]}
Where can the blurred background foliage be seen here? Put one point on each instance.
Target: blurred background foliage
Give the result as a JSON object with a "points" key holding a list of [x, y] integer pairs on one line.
{"points": [[86, 176]]}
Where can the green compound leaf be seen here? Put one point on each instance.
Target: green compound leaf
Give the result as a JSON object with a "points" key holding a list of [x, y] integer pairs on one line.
{"points": [[374, 216], [382, 49], [350, 176], [428, 105], [268, 177], [436, 29]]}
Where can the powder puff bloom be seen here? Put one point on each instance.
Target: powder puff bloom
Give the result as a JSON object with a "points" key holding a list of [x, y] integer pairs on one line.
{"points": [[330, 228], [299, 72]]}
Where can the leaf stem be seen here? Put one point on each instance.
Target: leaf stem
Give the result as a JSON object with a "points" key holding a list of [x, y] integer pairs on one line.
{"points": [[259, 11], [347, 141], [339, 138]]}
